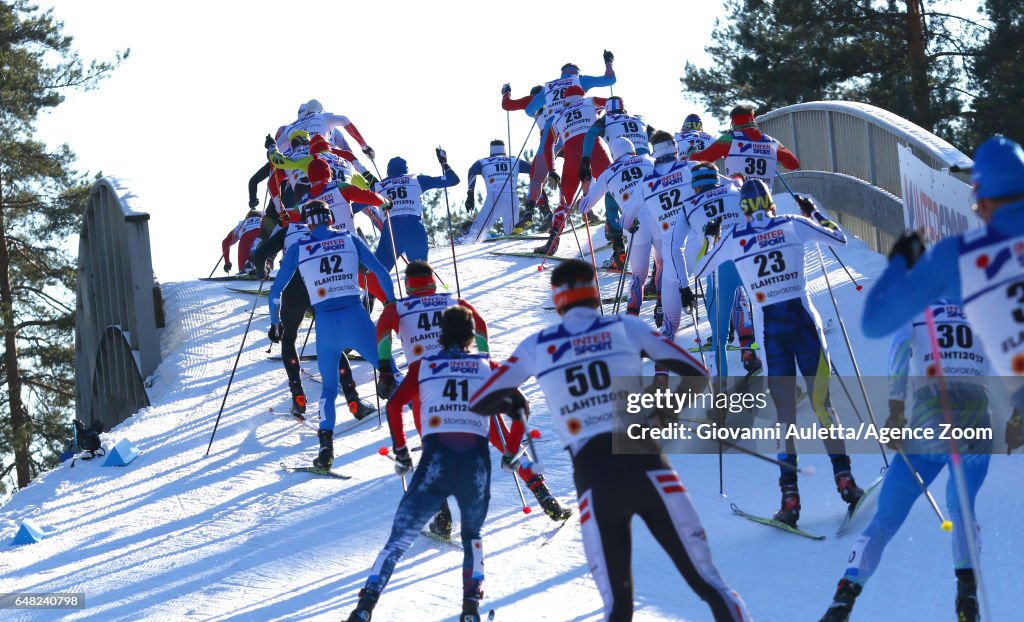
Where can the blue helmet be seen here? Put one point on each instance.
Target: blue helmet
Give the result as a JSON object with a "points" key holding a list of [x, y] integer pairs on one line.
{"points": [[693, 123], [998, 169], [755, 196], [397, 166], [704, 177]]}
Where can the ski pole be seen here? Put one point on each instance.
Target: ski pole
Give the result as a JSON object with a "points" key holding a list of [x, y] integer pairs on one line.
{"points": [[306, 340], [528, 436], [760, 456], [219, 259], [376, 395], [695, 314], [384, 452], [500, 433], [622, 278], [511, 170], [842, 383], [857, 285], [451, 238], [234, 367], [394, 252], [955, 460]]}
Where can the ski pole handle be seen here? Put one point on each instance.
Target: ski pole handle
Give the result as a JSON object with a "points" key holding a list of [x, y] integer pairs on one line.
{"points": [[384, 452]]}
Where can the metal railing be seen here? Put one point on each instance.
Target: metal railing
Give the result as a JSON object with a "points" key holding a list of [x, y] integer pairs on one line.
{"points": [[849, 160], [116, 340]]}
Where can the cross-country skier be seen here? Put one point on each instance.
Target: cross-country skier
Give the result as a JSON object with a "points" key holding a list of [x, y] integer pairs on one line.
{"points": [[692, 136], [576, 378], [313, 120], [455, 460], [980, 269], [911, 362], [622, 180], [329, 262], [570, 127], [663, 191], [405, 223], [616, 123], [500, 173], [713, 207], [417, 319], [539, 170], [769, 255], [747, 150], [246, 234]]}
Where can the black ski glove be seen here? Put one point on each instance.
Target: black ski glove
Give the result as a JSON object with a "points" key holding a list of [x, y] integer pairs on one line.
{"points": [[585, 173], [254, 202], [896, 419], [687, 298], [1014, 432], [909, 246], [369, 152], [403, 461], [506, 89], [470, 201], [609, 57], [227, 267], [274, 334], [442, 157], [370, 179], [713, 228], [806, 205], [268, 142], [386, 384]]}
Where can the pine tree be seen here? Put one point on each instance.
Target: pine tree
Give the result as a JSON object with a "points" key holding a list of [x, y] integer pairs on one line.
{"points": [[998, 74], [898, 56], [41, 199]]}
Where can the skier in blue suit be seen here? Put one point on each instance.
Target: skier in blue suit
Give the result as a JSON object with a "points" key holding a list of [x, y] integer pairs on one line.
{"points": [[329, 262]]}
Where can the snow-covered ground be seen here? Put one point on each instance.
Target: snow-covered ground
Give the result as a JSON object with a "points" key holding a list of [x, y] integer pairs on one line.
{"points": [[181, 535]]}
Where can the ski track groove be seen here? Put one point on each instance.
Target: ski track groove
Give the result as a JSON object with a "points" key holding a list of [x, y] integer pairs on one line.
{"points": [[179, 535]]}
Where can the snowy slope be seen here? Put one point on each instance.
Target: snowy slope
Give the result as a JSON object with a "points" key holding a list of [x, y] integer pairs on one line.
{"points": [[178, 535]]}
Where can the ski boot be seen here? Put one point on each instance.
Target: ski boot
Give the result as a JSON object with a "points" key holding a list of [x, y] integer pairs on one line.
{"points": [[550, 246], [651, 286], [789, 513], [470, 611], [617, 262], [364, 608], [299, 406], [325, 458], [546, 216], [360, 409], [441, 525], [634, 311], [526, 220], [659, 314], [555, 510], [750, 361], [842, 602], [848, 489], [966, 596]]}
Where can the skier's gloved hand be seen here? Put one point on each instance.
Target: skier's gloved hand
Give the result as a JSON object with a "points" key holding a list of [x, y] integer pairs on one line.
{"points": [[227, 267], [909, 246], [387, 205], [633, 228], [806, 205], [506, 89], [609, 57], [385, 384], [554, 178], [442, 157], [510, 462], [274, 334], [687, 298], [254, 202], [369, 152], [713, 228], [268, 142], [896, 419], [403, 461], [470, 200], [1014, 432], [370, 179], [585, 174]]}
